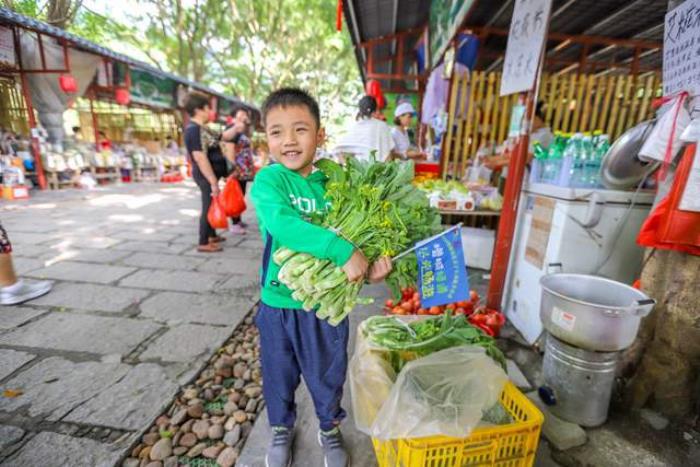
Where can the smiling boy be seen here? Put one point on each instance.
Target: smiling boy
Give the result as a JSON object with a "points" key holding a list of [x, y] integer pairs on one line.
{"points": [[293, 341]]}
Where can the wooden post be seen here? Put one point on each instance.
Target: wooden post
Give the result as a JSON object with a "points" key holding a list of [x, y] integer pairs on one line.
{"points": [[95, 124], [34, 138], [635, 62], [509, 213]]}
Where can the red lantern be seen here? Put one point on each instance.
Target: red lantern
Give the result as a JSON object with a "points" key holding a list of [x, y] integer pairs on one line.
{"points": [[374, 89], [68, 84], [122, 96]]}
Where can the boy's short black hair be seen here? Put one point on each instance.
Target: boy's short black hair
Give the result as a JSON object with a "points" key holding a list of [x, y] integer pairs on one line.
{"points": [[195, 100], [287, 97]]}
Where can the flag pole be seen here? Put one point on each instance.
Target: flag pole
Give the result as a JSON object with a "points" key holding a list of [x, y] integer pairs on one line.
{"points": [[418, 244]]}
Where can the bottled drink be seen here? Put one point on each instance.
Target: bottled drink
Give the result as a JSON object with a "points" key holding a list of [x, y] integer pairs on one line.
{"points": [[571, 162], [589, 172], [540, 157], [552, 167], [598, 153]]}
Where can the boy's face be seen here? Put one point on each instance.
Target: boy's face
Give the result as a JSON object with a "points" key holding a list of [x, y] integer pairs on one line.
{"points": [[293, 136]]}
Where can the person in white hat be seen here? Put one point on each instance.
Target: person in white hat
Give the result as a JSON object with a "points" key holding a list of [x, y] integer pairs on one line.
{"points": [[403, 117]]}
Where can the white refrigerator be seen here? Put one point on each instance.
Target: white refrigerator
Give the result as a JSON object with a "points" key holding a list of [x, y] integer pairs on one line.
{"points": [[574, 230]]}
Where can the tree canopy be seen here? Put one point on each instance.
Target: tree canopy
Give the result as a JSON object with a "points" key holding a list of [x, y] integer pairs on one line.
{"points": [[242, 47]]}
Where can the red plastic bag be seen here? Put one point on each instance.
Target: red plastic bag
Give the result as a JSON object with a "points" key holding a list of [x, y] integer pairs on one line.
{"points": [[233, 198], [217, 216], [669, 227]]}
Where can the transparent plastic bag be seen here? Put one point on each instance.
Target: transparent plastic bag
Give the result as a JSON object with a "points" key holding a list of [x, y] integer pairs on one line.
{"points": [[444, 393], [371, 378], [673, 118]]}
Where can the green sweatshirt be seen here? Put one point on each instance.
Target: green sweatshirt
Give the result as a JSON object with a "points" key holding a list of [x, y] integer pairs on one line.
{"points": [[283, 200]]}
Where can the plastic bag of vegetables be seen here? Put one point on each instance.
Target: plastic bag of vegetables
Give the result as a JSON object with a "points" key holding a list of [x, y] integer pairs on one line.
{"points": [[403, 339], [445, 393]]}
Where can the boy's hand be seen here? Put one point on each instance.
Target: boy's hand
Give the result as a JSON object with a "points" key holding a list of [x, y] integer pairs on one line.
{"points": [[356, 267], [380, 269]]}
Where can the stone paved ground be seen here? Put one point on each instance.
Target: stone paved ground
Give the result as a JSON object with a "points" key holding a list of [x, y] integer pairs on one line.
{"points": [[135, 313]]}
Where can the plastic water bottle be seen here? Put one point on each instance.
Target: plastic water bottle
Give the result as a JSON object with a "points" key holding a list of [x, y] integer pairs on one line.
{"points": [[565, 169], [554, 160], [590, 167], [597, 155], [540, 157]]}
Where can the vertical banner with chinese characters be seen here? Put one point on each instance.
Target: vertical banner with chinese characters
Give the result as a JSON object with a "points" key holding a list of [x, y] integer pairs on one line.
{"points": [[528, 30], [442, 272], [681, 67]]}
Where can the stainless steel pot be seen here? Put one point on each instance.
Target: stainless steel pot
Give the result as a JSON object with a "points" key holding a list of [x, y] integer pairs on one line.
{"points": [[591, 312], [578, 383]]}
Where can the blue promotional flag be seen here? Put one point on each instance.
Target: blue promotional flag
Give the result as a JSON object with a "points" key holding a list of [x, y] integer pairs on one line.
{"points": [[442, 272]]}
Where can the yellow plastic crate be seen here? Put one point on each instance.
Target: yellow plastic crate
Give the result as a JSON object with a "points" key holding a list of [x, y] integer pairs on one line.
{"points": [[512, 445]]}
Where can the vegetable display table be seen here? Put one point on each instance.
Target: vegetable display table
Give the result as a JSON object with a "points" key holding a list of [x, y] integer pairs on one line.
{"points": [[481, 218]]}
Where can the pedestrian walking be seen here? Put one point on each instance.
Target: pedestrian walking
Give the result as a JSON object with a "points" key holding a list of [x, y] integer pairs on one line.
{"points": [[14, 290]]}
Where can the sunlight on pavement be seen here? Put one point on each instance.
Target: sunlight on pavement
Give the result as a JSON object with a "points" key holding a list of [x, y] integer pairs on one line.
{"points": [[130, 201], [126, 218], [189, 212]]}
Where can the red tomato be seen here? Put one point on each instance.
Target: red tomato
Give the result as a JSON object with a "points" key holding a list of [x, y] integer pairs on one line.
{"points": [[486, 329], [435, 310], [422, 311], [463, 304], [469, 309], [450, 306], [389, 304], [493, 321], [397, 310], [407, 307], [460, 311], [478, 318], [416, 296], [473, 296]]}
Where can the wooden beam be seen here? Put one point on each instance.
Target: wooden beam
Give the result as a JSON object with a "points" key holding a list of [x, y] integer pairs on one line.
{"points": [[594, 65], [578, 39], [391, 37], [397, 76]]}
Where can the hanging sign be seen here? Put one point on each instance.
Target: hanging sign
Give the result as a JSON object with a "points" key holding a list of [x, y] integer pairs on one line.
{"points": [[528, 30], [681, 66], [442, 272], [147, 88], [446, 16], [7, 47]]}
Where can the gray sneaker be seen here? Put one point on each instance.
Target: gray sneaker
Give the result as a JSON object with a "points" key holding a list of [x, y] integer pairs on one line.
{"points": [[334, 453], [279, 454], [21, 292]]}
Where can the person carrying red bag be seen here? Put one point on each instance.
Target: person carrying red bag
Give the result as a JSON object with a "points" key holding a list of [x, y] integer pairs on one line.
{"points": [[208, 163], [240, 153]]}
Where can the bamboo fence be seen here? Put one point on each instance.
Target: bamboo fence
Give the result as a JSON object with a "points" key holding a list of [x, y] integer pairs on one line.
{"points": [[477, 116]]}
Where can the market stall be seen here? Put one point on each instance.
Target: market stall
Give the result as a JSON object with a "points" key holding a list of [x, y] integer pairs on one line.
{"points": [[551, 105], [117, 99]]}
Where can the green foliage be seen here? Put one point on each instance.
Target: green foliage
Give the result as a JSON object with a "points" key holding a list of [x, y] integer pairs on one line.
{"points": [[408, 341], [245, 48], [377, 209]]}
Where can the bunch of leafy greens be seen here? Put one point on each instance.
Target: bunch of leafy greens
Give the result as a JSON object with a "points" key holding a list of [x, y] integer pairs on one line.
{"points": [[376, 208], [408, 341]]}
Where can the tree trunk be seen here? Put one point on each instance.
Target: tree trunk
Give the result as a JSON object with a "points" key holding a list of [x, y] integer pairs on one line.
{"points": [[667, 349], [60, 13]]}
